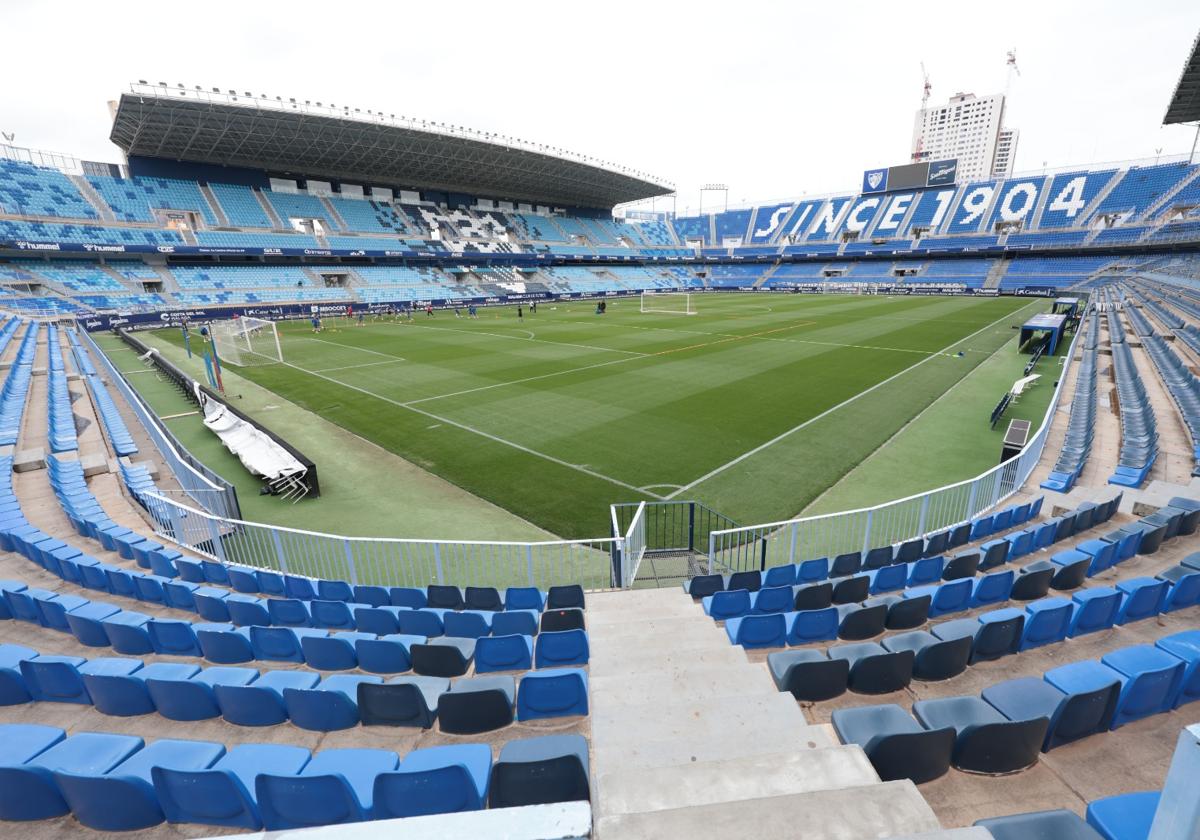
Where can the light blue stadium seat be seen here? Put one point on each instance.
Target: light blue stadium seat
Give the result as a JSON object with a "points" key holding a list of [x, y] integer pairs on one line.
{"points": [[260, 703], [335, 652], [336, 787], [281, 644], [123, 798], [126, 695], [386, 654], [30, 791], [330, 705], [225, 793], [224, 644], [194, 698], [127, 632]]}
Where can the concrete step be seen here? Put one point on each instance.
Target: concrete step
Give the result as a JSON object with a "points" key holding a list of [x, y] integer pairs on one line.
{"points": [[881, 810], [672, 627], [668, 686], [719, 747], [641, 661], [637, 599], [766, 716], [949, 834], [655, 611], [751, 777]]}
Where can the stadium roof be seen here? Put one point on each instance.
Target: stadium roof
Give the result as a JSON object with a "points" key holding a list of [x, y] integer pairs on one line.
{"points": [[1185, 104], [345, 144]]}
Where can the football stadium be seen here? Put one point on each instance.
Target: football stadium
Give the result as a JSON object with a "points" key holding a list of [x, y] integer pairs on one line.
{"points": [[368, 475]]}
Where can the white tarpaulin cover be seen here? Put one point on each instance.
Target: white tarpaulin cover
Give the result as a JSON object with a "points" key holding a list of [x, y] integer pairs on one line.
{"points": [[258, 452]]}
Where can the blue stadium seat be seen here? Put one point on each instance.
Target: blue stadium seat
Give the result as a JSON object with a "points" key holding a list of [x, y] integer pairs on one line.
{"points": [[1127, 816], [260, 703], [330, 705], [336, 787], [388, 654], [1094, 610], [1185, 646], [875, 669], [335, 652], [1046, 621], [759, 631], [436, 780], [224, 794], [1150, 681], [504, 653], [194, 698], [30, 791], [934, 658], [122, 798], [1144, 597], [553, 692], [562, 648], [1051, 825]]}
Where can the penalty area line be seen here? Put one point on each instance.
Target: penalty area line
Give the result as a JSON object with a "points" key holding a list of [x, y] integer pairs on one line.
{"points": [[479, 432]]}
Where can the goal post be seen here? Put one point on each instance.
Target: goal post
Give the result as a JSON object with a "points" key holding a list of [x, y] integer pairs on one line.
{"points": [[246, 341], [667, 302]]}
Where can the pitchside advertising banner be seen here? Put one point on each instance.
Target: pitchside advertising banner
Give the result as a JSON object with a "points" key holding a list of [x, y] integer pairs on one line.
{"points": [[304, 311], [910, 176]]}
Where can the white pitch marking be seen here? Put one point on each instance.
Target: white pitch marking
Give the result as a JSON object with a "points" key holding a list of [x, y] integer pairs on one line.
{"points": [[829, 411], [473, 430], [539, 340], [351, 347], [363, 365]]}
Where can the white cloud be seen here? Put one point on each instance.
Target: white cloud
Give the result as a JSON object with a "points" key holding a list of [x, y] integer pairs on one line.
{"points": [[772, 98]]}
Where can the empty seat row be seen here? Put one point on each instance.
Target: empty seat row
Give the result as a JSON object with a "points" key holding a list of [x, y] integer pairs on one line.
{"points": [[101, 624], [120, 783], [61, 420], [110, 416], [946, 649], [1081, 425], [1126, 816], [186, 692], [1139, 431], [911, 553], [1004, 730], [1183, 386], [16, 387]]}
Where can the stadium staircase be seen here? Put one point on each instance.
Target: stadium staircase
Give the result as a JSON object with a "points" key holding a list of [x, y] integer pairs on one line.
{"points": [[995, 274], [217, 210], [334, 214], [690, 739], [276, 222], [130, 285], [1086, 214], [93, 198], [1035, 218], [1155, 208], [761, 281]]}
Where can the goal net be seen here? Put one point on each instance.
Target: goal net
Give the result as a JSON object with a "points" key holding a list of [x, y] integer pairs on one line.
{"points": [[667, 303], [246, 341]]}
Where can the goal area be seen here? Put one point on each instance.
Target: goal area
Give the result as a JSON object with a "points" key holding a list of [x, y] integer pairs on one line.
{"points": [[667, 302], [246, 341]]}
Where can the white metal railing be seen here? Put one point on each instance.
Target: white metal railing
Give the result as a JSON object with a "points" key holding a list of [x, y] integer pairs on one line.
{"points": [[808, 537], [385, 561], [635, 546], [201, 484]]}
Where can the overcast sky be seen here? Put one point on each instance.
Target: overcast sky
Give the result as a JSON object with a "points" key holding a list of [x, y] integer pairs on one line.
{"points": [[775, 99]]}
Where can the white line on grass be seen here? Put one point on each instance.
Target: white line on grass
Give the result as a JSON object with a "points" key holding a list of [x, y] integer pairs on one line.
{"points": [[829, 411], [539, 340], [473, 430], [363, 365], [520, 381]]}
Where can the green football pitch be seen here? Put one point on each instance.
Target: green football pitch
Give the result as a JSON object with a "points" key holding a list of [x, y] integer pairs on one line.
{"points": [[755, 405]]}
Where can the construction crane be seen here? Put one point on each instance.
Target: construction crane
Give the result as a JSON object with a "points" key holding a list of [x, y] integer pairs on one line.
{"points": [[1011, 63], [918, 147]]}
